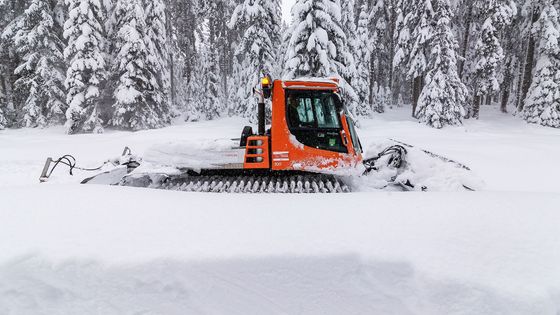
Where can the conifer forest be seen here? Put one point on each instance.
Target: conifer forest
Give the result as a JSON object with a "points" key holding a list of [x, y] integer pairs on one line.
{"points": [[140, 64]]}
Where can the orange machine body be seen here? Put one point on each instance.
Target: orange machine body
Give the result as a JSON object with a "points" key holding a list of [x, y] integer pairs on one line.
{"points": [[280, 150]]}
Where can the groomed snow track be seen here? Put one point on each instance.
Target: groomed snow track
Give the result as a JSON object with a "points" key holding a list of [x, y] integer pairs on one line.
{"points": [[302, 184]]}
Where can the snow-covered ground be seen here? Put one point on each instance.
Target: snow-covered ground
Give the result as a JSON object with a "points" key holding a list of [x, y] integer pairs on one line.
{"points": [[71, 249]]}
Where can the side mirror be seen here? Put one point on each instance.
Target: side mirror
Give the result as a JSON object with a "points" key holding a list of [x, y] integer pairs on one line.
{"points": [[339, 97]]}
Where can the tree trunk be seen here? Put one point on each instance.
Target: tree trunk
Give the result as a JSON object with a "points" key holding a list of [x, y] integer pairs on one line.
{"points": [[476, 107], [171, 64], [416, 90], [528, 72], [371, 78], [172, 79], [466, 40], [7, 90], [392, 50], [505, 99], [506, 85]]}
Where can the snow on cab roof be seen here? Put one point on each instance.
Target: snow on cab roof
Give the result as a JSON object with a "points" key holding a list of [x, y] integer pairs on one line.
{"points": [[315, 80]]}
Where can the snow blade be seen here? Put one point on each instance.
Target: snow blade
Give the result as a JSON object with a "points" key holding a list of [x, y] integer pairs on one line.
{"points": [[112, 177]]}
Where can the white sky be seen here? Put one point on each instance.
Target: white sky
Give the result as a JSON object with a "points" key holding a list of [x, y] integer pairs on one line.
{"points": [[286, 7]]}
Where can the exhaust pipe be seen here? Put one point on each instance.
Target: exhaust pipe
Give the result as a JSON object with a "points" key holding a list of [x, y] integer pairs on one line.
{"points": [[261, 117], [264, 93]]}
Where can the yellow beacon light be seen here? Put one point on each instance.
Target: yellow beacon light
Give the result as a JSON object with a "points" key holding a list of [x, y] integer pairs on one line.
{"points": [[266, 84]]}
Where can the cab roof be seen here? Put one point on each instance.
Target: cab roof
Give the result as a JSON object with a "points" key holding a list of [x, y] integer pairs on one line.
{"points": [[311, 84]]}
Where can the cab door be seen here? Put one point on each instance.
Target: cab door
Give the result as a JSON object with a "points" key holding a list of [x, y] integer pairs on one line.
{"points": [[314, 135]]}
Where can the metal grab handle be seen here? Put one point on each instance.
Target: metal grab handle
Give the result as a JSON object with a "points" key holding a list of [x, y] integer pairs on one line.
{"points": [[344, 138]]}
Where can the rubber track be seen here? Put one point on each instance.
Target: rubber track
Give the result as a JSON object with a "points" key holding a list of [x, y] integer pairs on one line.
{"points": [[299, 184]]}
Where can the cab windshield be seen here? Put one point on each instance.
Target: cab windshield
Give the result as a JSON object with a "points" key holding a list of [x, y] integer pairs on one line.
{"points": [[314, 119]]}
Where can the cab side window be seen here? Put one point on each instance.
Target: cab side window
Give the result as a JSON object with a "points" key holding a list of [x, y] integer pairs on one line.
{"points": [[305, 113], [317, 111], [326, 113]]}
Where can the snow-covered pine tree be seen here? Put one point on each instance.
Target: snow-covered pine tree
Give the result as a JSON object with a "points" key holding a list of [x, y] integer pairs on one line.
{"points": [[530, 10], [543, 101], [214, 58], [192, 97], [489, 52], [412, 45], [9, 60], [284, 40], [350, 74], [442, 99], [158, 60], [85, 34], [380, 30], [317, 44], [401, 46], [511, 65], [403, 41], [212, 94], [256, 52], [37, 39], [185, 23], [131, 58], [205, 93], [364, 46], [141, 101]]}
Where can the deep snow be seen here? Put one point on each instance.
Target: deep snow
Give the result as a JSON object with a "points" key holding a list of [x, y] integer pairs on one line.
{"points": [[71, 249]]}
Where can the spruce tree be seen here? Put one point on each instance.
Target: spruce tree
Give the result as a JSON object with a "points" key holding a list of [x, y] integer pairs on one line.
{"points": [[364, 47], [317, 43], [158, 59], [205, 87], [350, 53], [131, 108], [488, 50], [380, 30], [214, 59], [256, 52], [212, 106], [11, 101], [543, 101], [37, 39], [442, 99], [85, 34], [414, 34], [142, 91], [531, 12]]}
